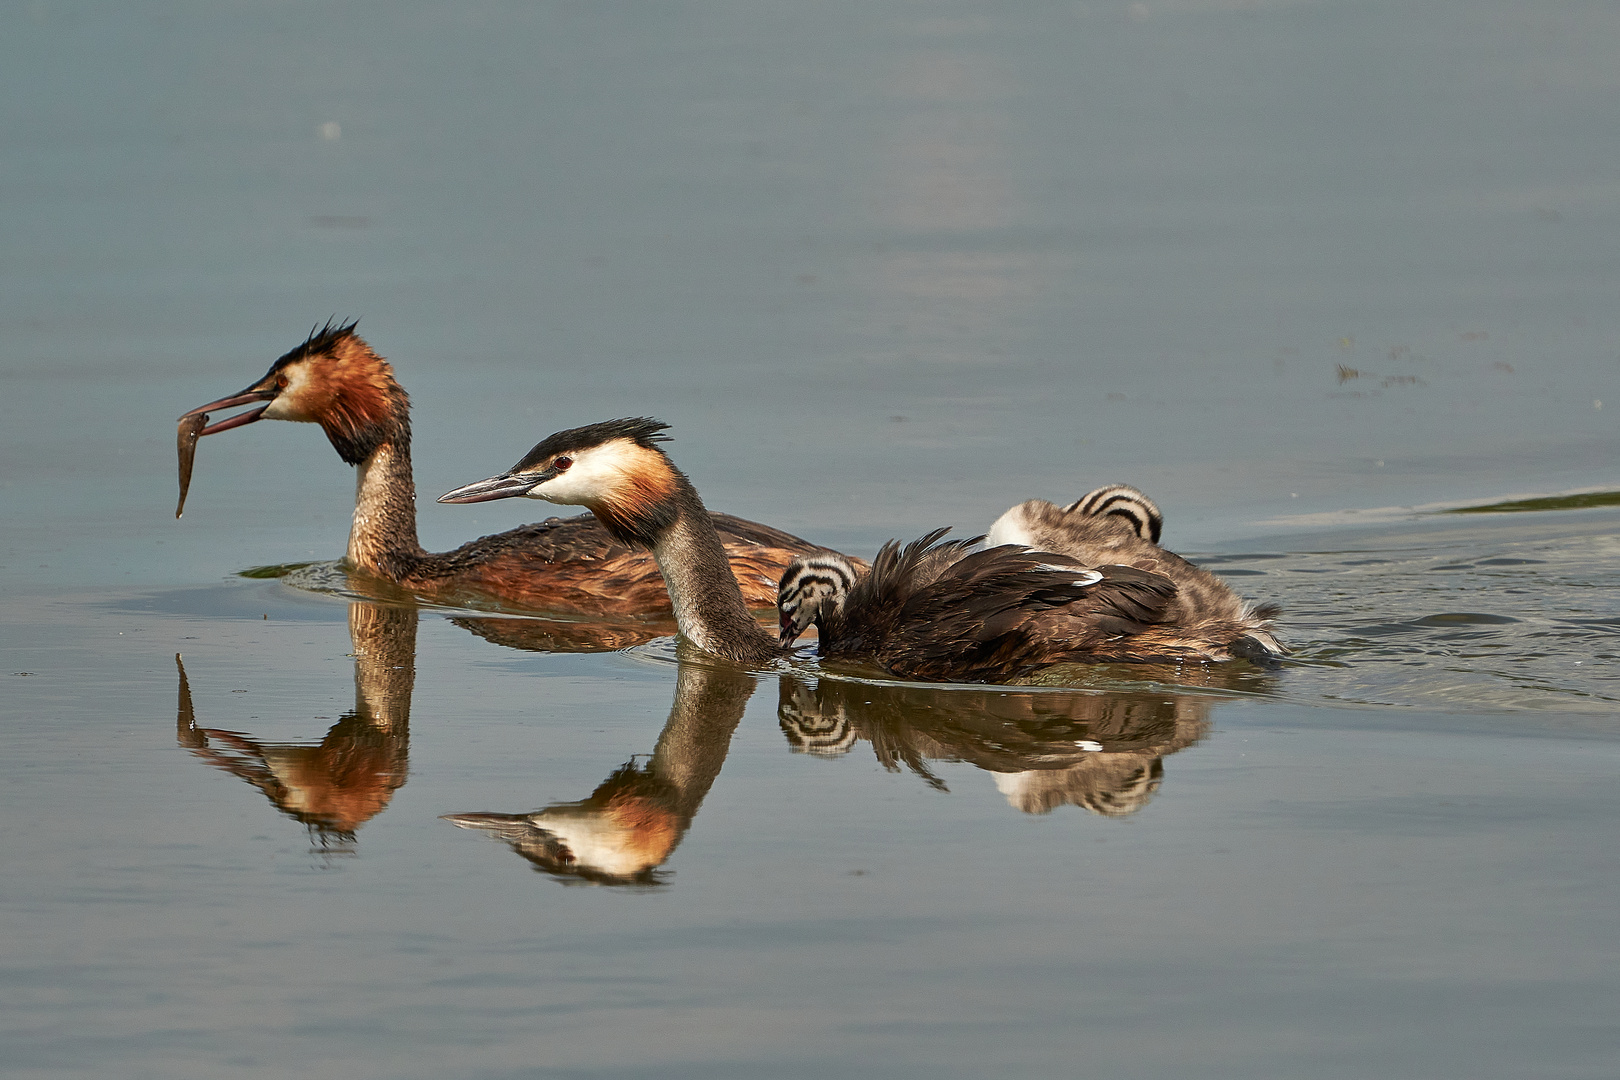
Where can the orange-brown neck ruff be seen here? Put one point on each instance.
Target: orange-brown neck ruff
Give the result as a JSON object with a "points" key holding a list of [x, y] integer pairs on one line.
{"points": [[642, 503], [335, 379], [364, 406], [615, 470]]}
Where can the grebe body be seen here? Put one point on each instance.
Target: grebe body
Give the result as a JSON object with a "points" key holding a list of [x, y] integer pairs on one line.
{"points": [[574, 565], [617, 471], [937, 610]]}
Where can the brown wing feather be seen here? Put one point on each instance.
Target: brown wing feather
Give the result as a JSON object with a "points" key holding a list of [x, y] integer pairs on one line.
{"points": [[931, 610], [1008, 618]]}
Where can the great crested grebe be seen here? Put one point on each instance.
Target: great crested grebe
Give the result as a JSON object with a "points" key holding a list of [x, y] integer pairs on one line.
{"points": [[1095, 525], [931, 611], [616, 470], [334, 379]]}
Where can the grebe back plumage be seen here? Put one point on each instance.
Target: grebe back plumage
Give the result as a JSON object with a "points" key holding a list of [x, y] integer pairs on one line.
{"points": [[937, 610], [336, 380]]}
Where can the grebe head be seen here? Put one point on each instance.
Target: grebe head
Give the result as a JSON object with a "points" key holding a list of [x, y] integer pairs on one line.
{"points": [[615, 469], [333, 379], [812, 588]]}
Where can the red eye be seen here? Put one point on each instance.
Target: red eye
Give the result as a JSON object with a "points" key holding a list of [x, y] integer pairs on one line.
{"points": [[561, 464], [281, 382]]}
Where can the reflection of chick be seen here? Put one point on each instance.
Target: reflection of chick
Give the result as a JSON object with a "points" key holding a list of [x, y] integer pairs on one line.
{"points": [[1099, 751], [351, 775], [631, 823], [1112, 785]]}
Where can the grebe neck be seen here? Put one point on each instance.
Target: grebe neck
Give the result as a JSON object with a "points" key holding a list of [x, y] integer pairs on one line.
{"points": [[709, 607], [382, 540]]}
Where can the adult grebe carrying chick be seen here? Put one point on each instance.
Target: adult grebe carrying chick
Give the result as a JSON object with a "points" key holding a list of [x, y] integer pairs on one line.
{"points": [[933, 608]]}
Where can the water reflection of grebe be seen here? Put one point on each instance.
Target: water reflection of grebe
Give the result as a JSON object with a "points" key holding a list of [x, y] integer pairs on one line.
{"points": [[334, 379], [1101, 751], [631, 823], [348, 778], [558, 635]]}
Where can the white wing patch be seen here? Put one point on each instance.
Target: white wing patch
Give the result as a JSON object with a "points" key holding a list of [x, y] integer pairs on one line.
{"points": [[1087, 577]]}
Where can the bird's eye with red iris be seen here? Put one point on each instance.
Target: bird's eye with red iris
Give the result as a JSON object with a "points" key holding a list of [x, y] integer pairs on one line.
{"points": [[561, 464], [281, 382]]}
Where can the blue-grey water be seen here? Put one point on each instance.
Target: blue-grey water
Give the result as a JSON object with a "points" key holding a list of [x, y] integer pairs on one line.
{"points": [[1311, 274]]}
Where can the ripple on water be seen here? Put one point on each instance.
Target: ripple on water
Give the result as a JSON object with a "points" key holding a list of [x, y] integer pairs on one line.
{"points": [[1523, 616]]}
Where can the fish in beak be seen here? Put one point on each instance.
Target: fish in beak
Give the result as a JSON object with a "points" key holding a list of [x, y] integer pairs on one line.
{"points": [[257, 392], [194, 425]]}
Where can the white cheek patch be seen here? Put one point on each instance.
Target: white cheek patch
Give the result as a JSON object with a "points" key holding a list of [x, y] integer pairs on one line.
{"points": [[598, 842], [564, 489], [286, 404], [595, 474]]}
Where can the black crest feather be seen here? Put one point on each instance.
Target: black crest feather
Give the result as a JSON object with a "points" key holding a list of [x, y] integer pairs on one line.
{"points": [[322, 339], [641, 430]]}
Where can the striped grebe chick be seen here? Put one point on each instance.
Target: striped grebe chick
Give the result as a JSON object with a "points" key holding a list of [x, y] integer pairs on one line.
{"points": [[336, 380], [1114, 505], [1205, 620], [1099, 527]]}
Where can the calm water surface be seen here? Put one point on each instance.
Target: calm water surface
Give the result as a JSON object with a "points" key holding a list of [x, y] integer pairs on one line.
{"points": [[1313, 275]]}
